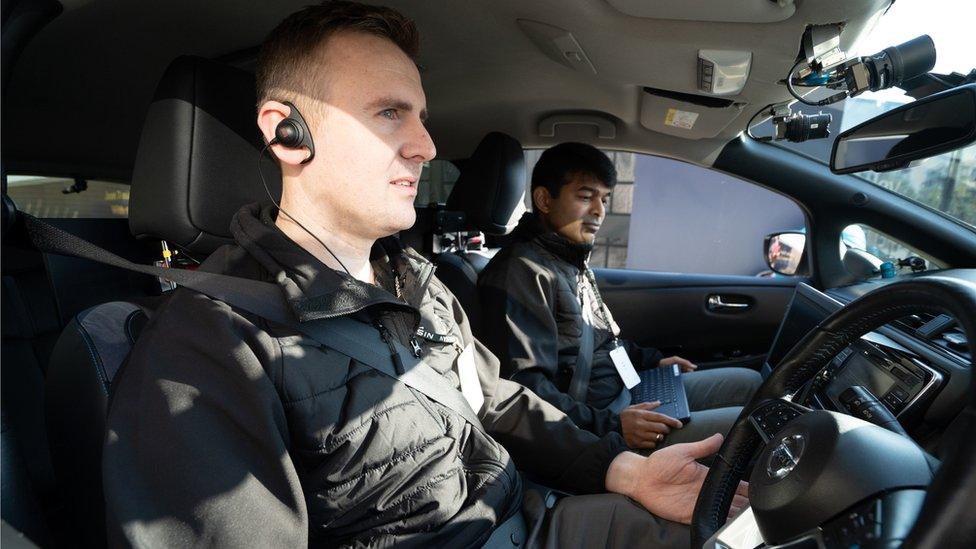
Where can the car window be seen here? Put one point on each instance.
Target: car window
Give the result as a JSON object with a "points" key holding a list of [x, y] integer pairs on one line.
{"points": [[668, 215], [59, 197], [436, 182], [864, 237], [945, 183]]}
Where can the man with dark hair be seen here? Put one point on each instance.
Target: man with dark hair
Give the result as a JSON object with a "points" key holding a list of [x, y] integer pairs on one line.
{"points": [[538, 292], [233, 430]]}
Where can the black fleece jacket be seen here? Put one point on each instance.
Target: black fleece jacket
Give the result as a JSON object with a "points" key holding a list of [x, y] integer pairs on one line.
{"points": [[531, 310]]}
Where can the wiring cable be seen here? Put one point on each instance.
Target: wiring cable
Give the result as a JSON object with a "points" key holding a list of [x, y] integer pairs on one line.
{"points": [[264, 182], [789, 86], [764, 110]]}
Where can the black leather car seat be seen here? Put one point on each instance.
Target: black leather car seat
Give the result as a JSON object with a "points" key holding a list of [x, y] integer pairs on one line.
{"points": [[489, 191], [30, 328], [41, 293], [195, 167]]}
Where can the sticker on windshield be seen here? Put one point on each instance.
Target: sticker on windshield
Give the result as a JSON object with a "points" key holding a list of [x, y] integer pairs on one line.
{"points": [[680, 119]]}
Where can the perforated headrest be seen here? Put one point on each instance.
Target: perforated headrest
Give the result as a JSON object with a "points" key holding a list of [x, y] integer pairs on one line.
{"points": [[491, 185], [197, 162]]}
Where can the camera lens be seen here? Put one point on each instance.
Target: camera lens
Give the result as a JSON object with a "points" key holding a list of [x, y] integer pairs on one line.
{"points": [[894, 65], [801, 127]]}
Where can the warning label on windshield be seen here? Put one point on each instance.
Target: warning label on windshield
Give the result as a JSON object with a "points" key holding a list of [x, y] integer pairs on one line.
{"points": [[680, 119]]}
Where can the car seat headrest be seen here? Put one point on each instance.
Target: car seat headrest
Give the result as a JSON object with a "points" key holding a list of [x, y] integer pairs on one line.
{"points": [[491, 185], [197, 162]]}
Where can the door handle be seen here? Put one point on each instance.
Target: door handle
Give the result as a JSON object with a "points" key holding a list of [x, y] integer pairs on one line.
{"points": [[717, 303]]}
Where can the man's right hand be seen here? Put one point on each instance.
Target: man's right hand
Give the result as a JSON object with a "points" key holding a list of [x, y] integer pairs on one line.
{"points": [[643, 428], [667, 482]]}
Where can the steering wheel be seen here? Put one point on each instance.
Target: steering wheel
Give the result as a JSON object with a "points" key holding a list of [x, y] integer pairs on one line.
{"points": [[826, 477]]}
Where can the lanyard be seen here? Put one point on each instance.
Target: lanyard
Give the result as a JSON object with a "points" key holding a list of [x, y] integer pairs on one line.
{"points": [[601, 306]]}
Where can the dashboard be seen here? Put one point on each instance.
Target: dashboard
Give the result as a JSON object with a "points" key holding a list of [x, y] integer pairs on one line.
{"points": [[902, 365], [911, 376]]}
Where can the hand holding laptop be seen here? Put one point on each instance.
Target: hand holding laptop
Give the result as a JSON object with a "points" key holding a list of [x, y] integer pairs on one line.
{"points": [[663, 384], [644, 428], [683, 363]]}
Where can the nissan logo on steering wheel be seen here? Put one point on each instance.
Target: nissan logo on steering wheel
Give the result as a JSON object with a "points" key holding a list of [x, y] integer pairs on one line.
{"points": [[784, 458]]}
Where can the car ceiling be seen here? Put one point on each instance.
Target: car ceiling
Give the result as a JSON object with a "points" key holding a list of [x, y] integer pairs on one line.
{"points": [[79, 92]]}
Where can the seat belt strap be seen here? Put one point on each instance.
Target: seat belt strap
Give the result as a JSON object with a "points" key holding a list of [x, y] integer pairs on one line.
{"points": [[622, 401], [348, 336], [360, 341], [579, 385]]}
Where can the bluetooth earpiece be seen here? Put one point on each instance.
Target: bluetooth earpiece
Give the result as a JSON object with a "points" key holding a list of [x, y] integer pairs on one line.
{"points": [[292, 132]]}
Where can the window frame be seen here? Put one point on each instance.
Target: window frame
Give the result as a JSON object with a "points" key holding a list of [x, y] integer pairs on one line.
{"points": [[68, 182], [807, 223]]}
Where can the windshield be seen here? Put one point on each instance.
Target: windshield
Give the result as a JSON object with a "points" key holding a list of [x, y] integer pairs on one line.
{"points": [[947, 182]]}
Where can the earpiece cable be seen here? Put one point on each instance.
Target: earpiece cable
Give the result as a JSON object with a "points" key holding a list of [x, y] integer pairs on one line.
{"points": [[280, 209]]}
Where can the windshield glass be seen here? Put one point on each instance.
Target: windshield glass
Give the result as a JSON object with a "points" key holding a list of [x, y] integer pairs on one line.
{"points": [[946, 182]]}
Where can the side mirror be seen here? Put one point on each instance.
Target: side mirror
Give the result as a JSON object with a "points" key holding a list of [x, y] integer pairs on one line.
{"points": [[784, 252], [921, 129]]}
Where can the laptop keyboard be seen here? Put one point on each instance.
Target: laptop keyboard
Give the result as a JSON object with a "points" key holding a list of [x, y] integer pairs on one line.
{"points": [[663, 384]]}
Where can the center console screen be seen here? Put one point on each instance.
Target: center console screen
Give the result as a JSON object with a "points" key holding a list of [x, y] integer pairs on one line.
{"points": [[861, 370], [873, 362], [888, 373]]}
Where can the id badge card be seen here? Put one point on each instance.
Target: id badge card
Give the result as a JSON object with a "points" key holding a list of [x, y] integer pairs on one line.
{"points": [[624, 367], [468, 374]]}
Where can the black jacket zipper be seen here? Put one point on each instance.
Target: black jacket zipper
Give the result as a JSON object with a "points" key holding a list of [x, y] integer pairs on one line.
{"points": [[385, 335]]}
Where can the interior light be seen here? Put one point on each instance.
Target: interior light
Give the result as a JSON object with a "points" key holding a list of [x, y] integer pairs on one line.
{"points": [[723, 72]]}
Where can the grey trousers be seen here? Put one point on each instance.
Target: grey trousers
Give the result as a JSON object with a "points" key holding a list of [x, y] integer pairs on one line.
{"points": [[716, 398], [602, 520]]}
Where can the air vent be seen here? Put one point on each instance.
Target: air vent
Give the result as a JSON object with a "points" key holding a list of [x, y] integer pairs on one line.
{"points": [[954, 339], [940, 330], [911, 323]]}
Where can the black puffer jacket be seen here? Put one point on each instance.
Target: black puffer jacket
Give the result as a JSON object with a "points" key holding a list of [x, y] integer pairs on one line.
{"points": [[530, 295], [226, 430]]}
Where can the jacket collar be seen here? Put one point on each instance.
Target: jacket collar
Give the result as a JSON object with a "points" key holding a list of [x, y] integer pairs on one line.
{"points": [[312, 289], [530, 228]]}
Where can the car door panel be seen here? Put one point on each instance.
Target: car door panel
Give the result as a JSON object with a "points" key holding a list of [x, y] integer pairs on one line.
{"points": [[679, 314]]}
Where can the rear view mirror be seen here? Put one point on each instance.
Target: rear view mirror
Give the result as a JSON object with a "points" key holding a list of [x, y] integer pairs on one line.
{"points": [[927, 127], [784, 251]]}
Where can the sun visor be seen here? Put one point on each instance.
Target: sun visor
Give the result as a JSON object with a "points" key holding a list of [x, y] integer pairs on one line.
{"points": [[686, 115], [718, 11]]}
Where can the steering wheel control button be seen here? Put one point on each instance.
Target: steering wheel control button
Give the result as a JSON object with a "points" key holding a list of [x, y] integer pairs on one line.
{"points": [[785, 457], [879, 522], [770, 418], [862, 404]]}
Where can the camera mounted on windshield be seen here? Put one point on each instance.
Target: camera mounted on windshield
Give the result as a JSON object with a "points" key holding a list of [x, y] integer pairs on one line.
{"points": [[823, 64]]}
